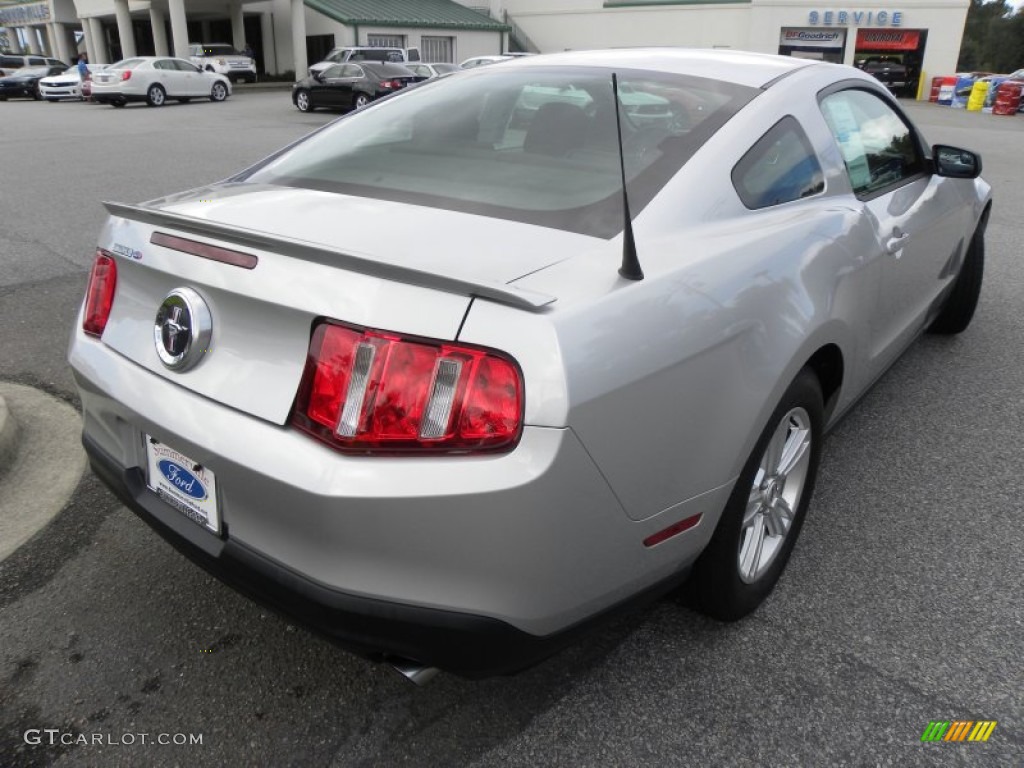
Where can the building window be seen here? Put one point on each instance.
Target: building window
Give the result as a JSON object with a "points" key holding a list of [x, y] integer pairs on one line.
{"points": [[385, 41], [438, 49]]}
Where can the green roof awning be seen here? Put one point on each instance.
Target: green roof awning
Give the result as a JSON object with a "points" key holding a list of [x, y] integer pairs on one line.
{"points": [[435, 14]]}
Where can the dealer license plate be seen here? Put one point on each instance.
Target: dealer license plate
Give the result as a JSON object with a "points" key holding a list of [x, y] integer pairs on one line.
{"points": [[183, 483]]}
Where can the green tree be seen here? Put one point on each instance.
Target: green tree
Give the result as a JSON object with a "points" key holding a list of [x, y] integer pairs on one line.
{"points": [[993, 38]]}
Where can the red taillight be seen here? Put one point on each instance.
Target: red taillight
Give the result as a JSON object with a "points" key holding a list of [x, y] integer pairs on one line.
{"points": [[99, 297], [391, 84], [126, 75], [376, 392]]}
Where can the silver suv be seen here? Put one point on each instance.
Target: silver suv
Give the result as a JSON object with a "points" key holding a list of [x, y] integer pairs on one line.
{"points": [[9, 62], [224, 60]]}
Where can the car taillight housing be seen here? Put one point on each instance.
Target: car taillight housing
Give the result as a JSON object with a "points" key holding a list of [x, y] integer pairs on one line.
{"points": [[391, 84], [126, 75], [99, 296], [374, 392]]}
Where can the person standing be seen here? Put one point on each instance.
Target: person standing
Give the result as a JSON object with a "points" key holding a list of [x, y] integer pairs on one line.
{"points": [[83, 75]]}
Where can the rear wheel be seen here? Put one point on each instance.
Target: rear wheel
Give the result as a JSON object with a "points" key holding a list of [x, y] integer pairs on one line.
{"points": [[361, 100], [764, 514], [303, 101], [156, 96], [959, 308], [218, 92]]}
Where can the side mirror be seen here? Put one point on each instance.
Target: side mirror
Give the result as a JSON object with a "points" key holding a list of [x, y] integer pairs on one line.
{"points": [[318, 76], [956, 163]]}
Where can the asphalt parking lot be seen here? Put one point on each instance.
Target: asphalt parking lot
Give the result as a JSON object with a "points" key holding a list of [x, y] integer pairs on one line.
{"points": [[901, 604]]}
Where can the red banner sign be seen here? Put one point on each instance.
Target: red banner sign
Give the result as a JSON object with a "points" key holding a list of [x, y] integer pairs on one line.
{"points": [[888, 39]]}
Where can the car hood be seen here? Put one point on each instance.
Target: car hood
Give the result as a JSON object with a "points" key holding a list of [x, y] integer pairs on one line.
{"points": [[60, 78], [450, 244], [16, 79]]}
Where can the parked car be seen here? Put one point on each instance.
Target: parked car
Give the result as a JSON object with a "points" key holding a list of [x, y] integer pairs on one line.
{"points": [[12, 62], [351, 85], [67, 84], [222, 59], [888, 70], [154, 80], [25, 81], [483, 61], [357, 53], [453, 390], [432, 70]]}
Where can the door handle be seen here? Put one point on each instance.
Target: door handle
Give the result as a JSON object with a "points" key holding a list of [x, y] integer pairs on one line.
{"points": [[894, 244]]}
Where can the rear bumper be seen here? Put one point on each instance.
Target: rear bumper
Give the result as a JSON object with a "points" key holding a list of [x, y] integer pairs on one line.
{"points": [[468, 645]]}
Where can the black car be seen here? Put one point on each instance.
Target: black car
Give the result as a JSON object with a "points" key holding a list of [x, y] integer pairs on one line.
{"points": [[351, 85], [25, 81]]}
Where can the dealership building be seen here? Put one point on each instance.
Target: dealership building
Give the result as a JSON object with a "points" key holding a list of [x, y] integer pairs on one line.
{"points": [[287, 35]]}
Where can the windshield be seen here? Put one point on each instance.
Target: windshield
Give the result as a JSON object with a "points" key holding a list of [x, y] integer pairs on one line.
{"points": [[219, 50], [534, 144]]}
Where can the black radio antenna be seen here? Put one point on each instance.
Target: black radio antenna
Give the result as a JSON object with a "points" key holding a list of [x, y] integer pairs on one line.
{"points": [[630, 268]]}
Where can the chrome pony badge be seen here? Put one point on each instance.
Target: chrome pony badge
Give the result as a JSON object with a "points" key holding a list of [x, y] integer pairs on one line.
{"points": [[183, 329]]}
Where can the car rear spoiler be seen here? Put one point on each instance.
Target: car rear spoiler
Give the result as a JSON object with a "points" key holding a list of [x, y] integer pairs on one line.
{"points": [[301, 249]]}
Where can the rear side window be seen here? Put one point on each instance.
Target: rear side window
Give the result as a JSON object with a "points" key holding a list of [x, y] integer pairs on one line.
{"points": [[779, 168], [36, 60], [11, 62]]}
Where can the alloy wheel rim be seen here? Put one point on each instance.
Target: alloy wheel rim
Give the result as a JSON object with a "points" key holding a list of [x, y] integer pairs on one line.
{"points": [[303, 101], [157, 96], [775, 495]]}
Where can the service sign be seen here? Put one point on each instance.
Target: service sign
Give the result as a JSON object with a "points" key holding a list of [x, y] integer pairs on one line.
{"points": [[22, 15], [847, 18]]}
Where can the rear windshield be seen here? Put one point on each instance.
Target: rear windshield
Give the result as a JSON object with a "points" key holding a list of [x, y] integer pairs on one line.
{"points": [[529, 144]]}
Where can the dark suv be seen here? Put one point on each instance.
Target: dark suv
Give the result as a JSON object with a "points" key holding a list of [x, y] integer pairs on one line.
{"points": [[889, 70]]}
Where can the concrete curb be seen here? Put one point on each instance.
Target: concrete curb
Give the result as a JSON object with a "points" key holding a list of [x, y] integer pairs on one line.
{"points": [[41, 475], [9, 434]]}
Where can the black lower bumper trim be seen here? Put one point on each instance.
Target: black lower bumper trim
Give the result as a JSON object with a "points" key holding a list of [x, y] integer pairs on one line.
{"points": [[468, 645]]}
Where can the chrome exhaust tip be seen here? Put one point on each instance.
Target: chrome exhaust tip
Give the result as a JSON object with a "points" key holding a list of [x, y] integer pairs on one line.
{"points": [[414, 671]]}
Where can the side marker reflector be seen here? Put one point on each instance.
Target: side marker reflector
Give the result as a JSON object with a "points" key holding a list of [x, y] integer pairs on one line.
{"points": [[672, 530]]}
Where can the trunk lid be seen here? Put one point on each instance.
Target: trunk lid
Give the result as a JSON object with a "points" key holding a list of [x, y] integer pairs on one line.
{"points": [[370, 263]]}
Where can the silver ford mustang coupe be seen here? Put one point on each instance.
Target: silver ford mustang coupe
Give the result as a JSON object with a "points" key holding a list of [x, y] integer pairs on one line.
{"points": [[471, 369]]}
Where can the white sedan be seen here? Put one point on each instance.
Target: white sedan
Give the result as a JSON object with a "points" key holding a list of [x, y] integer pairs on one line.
{"points": [[154, 80], [67, 85]]}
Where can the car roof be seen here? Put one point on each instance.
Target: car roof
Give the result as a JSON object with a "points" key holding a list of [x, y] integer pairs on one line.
{"points": [[741, 67]]}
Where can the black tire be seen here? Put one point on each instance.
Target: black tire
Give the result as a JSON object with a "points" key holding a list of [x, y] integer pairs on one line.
{"points": [[716, 587], [959, 308], [360, 101], [218, 92], [156, 96], [304, 101]]}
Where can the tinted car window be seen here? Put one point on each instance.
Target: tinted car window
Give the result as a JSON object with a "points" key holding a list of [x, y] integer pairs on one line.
{"points": [[11, 62], [184, 66], [478, 144], [779, 168], [350, 70], [879, 149], [36, 60], [165, 64]]}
